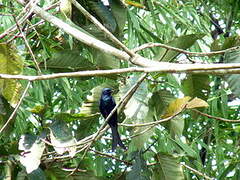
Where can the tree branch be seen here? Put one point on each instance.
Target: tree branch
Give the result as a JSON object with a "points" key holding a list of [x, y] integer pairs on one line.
{"points": [[199, 54], [196, 171], [231, 68], [16, 108], [123, 101], [93, 42], [214, 117], [102, 28]]}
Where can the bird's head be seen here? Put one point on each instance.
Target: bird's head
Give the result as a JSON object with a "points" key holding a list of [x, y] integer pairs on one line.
{"points": [[106, 91]]}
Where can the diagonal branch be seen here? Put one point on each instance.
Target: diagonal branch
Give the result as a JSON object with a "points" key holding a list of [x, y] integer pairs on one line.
{"points": [[102, 28], [124, 101], [16, 108]]}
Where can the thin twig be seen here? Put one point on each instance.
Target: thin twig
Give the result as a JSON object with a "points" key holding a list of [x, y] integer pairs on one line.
{"points": [[24, 18], [150, 45], [214, 117], [27, 44], [110, 156], [16, 108], [196, 171], [154, 122]]}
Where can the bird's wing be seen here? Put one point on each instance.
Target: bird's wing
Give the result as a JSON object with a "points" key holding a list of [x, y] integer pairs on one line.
{"points": [[102, 109]]}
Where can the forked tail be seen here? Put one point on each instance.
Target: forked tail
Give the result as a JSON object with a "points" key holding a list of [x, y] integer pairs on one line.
{"points": [[116, 140]]}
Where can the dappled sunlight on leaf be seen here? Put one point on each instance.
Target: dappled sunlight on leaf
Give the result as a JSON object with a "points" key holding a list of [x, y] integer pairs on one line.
{"points": [[169, 167], [137, 111], [62, 139], [10, 63], [33, 148]]}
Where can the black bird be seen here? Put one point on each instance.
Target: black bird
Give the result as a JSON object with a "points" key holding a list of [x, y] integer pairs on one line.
{"points": [[106, 105]]}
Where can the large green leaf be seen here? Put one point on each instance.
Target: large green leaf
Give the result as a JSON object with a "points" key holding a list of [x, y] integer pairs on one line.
{"points": [[37, 174], [54, 173], [160, 101], [182, 42], [229, 42], [196, 85], [169, 168], [137, 111], [119, 11], [233, 79], [5, 112], [139, 169], [69, 60], [103, 13], [11, 63], [62, 138]]}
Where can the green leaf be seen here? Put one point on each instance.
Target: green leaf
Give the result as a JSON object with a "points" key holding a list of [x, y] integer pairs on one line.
{"points": [[37, 174], [139, 170], [104, 14], [62, 138], [176, 126], [87, 121], [169, 168], [227, 170], [119, 12], [186, 148], [55, 173], [196, 85], [229, 42], [69, 60], [5, 112], [105, 61], [33, 148], [182, 42], [160, 101], [137, 111], [233, 79]]}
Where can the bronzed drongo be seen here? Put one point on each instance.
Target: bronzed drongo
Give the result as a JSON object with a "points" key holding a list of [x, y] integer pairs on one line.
{"points": [[106, 105]]}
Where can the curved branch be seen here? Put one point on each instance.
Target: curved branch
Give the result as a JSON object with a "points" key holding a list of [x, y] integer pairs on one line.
{"points": [[214, 117], [199, 54]]}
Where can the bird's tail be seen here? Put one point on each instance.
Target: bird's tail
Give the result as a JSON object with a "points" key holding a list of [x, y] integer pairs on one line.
{"points": [[116, 140]]}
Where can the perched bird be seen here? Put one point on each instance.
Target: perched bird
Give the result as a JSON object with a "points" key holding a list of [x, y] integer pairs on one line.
{"points": [[106, 105]]}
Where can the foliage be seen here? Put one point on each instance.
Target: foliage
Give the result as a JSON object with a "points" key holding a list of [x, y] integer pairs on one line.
{"points": [[46, 138]]}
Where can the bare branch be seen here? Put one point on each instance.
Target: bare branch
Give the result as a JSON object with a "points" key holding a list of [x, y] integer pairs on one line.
{"points": [[27, 44], [214, 117], [232, 68], [150, 45], [196, 171]]}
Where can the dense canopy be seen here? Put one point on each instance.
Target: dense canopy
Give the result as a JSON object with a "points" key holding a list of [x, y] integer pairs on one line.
{"points": [[173, 66]]}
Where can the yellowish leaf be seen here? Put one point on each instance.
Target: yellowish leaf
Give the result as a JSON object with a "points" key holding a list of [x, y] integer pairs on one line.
{"points": [[11, 63], [133, 3], [196, 102], [176, 106]]}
